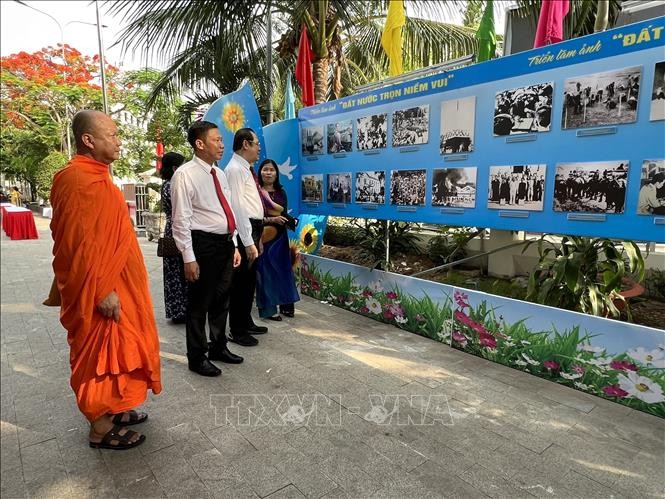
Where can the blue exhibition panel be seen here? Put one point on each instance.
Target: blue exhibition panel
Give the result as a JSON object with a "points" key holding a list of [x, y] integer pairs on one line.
{"points": [[578, 168]]}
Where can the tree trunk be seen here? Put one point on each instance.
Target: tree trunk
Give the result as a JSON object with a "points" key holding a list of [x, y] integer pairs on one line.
{"points": [[321, 79]]}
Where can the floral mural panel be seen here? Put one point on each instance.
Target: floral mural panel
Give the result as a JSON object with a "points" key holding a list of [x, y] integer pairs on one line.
{"points": [[611, 359]]}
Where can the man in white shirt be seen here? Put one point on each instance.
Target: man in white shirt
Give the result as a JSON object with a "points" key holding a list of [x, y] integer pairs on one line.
{"points": [[204, 228], [247, 205], [648, 202]]}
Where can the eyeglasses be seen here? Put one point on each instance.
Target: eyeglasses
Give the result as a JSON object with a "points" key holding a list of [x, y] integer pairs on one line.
{"points": [[252, 142]]}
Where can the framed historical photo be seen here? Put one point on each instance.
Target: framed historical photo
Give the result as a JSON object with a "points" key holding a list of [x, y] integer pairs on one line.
{"points": [[516, 187], [339, 188], [651, 200], [340, 137], [601, 99], [312, 188], [454, 187], [312, 140], [411, 126], [658, 93], [407, 187], [372, 132], [595, 187], [371, 187], [458, 118], [523, 110]]}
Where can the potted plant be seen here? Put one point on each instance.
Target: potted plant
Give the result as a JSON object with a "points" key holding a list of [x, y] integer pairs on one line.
{"points": [[586, 274]]}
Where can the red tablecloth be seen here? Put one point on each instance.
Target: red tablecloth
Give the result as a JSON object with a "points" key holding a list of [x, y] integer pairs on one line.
{"points": [[18, 223]]}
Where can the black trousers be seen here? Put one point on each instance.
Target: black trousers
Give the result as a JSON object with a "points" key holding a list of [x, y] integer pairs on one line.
{"points": [[208, 297], [244, 286]]}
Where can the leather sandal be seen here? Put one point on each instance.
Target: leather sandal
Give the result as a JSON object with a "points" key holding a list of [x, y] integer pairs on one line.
{"points": [[122, 442], [134, 418]]}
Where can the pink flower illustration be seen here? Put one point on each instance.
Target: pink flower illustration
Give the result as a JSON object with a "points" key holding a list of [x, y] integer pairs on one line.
{"points": [[364, 310], [315, 285], [469, 322], [623, 365], [387, 314], [419, 318], [552, 364], [578, 369], [487, 340], [391, 295], [460, 338], [461, 299], [367, 293], [614, 391]]}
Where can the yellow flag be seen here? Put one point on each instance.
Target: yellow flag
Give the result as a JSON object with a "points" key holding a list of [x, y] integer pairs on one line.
{"points": [[391, 39]]}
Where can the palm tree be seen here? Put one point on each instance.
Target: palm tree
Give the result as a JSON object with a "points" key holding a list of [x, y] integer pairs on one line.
{"points": [[211, 46]]}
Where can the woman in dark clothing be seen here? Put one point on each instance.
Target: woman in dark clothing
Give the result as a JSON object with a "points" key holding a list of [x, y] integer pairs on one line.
{"points": [[175, 286], [275, 282]]}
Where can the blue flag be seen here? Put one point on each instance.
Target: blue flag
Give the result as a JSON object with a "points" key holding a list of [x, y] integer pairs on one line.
{"points": [[289, 99], [232, 112]]}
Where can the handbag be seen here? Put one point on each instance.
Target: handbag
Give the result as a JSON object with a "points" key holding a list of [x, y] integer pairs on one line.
{"points": [[165, 244]]}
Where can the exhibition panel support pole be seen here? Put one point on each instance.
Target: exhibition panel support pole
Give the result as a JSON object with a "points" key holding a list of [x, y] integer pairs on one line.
{"points": [[468, 259], [386, 225], [269, 63]]}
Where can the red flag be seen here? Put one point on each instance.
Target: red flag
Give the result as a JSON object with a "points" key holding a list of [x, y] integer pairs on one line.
{"points": [[304, 69], [550, 22], [159, 151]]}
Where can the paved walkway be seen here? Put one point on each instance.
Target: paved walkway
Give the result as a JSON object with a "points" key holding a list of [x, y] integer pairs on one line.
{"points": [[330, 404]]}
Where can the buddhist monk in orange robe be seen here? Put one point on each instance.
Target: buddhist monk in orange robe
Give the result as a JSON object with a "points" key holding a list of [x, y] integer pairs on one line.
{"points": [[103, 286]]}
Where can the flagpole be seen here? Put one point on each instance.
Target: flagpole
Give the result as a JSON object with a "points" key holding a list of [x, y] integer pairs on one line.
{"points": [[269, 62]]}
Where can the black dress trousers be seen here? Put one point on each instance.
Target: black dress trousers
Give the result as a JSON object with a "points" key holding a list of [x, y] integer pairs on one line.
{"points": [[244, 286], [208, 297]]}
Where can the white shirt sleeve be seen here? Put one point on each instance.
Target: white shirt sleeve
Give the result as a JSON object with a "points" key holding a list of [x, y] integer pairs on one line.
{"points": [[181, 217], [234, 175]]}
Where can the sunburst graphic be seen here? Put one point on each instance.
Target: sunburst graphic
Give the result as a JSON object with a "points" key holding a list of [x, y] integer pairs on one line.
{"points": [[233, 116]]}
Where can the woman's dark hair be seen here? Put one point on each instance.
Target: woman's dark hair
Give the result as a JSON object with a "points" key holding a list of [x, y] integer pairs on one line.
{"points": [[276, 184], [170, 161]]}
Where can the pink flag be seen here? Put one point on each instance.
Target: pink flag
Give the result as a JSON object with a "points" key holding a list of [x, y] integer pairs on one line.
{"points": [[550, 22]]}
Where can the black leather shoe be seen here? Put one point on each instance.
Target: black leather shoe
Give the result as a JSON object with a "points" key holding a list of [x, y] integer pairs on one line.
{"points": [[287, 313], [223, 355], [243, 339], [205, 368], [254, 329]]}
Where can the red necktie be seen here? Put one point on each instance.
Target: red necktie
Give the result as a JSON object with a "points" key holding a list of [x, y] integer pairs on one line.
{"points": [[230, 221]]}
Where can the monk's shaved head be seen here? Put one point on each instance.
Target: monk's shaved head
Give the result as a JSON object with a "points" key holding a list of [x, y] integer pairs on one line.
{"points": [[86, 121], [96, 136]]}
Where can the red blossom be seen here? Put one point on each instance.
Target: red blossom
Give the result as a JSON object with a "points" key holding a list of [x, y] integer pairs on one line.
{"points": [[623, 365], [614, 391], [487, 340], [391, 295], [578, 369], [460, 338], [552, 364]]}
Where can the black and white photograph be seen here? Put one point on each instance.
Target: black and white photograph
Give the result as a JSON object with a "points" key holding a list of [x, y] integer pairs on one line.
{"points": [[523, 110], [339, 187], [516, 187], [371, 187], [651, 200], [458, 119], [596, 187], [454, 187], [658, 93], [372, 132], [407, 187], [411, 126], [312, 140], [312, 187], [601, 99], [340, 137]]}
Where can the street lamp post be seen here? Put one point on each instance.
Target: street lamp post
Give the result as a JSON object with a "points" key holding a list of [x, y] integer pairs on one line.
{"points": [[101, 59], [64, 72]]}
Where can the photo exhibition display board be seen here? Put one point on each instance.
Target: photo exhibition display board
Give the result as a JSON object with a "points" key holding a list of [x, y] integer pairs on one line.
{"points": [[566, 139]]}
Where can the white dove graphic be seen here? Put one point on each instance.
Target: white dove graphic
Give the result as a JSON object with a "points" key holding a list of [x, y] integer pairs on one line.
{"points": [[286, 168]]}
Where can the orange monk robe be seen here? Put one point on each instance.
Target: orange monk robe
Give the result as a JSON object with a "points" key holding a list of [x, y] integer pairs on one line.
{"points": [[95, 252]]}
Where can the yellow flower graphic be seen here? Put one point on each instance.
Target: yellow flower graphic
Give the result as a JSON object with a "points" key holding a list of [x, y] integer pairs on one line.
{"points": [[233, 116], [309, 237]]}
